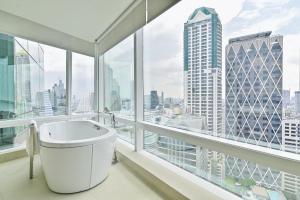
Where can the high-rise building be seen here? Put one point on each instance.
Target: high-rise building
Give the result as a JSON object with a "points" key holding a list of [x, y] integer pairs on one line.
{"points": [[286, 98], [154, 100], [253, 173], [58, 98], [112, 97], [297, 102], [203, 67], [291, 135], [291, 185], [254, 89], [7, 88], [43, 104]]}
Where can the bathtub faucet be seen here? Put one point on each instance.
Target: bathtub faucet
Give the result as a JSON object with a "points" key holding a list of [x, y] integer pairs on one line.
{"points": [[112, 117]]}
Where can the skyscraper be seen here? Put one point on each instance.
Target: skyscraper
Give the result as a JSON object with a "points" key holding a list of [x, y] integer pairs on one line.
{"points": [[154, 100], [297, 102], [291, 135], [7, 88], [286, 98], [112, 97], [254, 89], [203, 67]]}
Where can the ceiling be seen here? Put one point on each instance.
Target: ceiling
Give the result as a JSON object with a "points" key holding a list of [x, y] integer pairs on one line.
{"points": [[84, 19]]}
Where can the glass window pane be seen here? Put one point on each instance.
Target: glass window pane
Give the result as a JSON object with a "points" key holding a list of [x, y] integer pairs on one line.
{"points": [[82, 83], [246, 179], [29, 72], [119, 66], [54, 60], [244, 90], [126, 132], [226, 71]]}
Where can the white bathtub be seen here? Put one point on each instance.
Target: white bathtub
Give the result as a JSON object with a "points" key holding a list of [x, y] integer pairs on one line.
{"points": [[75, 155]]}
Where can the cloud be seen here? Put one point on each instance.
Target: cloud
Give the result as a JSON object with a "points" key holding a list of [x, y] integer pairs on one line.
{"points": [[260, 4], [163, 44], [291, 64], [259, 23], [82, 74], [54, 65], [281, 17], [164, 76]]}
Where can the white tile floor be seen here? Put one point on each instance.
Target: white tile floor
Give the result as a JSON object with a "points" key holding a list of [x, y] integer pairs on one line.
{"points": [[121, 184]]}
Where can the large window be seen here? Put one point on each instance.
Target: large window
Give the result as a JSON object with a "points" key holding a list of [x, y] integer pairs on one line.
{"points": [[246, 179], [32, 79], [231, 72], [55, 78], [119, 66], [220, 70], [82, 83]]}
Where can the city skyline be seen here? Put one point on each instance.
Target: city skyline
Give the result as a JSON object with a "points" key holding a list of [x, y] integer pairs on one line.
{"points": [[235, 22], [249, 11], [182, 90]]}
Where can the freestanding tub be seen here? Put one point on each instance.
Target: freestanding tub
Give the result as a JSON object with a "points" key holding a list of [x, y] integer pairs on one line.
{"points": [[75, 155]]}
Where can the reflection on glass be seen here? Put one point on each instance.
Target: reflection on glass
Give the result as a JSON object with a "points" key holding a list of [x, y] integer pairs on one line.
{"points": [[244, 178], [125, 132], [119, 91], [13, 137], [29, 72], [82, 83]]}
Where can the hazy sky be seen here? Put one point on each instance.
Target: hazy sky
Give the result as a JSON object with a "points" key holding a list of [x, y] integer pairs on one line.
{"points": [[55, 70], [164, 38], [163, 43]]}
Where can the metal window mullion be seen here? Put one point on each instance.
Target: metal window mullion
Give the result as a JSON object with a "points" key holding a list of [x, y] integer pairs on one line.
{"points": [[101, 83], [96, 79], [138, 88], [69, 81]]}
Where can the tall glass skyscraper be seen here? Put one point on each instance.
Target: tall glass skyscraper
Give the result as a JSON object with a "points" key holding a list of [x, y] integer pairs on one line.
{"points": [[254, 89], [203, 67]]}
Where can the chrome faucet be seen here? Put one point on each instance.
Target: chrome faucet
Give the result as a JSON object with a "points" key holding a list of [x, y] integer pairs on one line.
{"points": [[113, 121]]}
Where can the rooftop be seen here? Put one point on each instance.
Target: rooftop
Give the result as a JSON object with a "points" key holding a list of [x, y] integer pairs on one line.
{"points": [[250, 37], [201, 13]]}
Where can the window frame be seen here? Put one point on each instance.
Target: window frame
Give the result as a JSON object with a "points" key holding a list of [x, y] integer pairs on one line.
{"points": [[8, 123], [277, 159]]}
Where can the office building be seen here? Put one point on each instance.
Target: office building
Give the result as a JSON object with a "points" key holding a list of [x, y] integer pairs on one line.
{"points": [[254, 89]]}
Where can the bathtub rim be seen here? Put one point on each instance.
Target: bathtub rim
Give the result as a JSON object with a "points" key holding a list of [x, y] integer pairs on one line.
{"points": [[46, 141]]}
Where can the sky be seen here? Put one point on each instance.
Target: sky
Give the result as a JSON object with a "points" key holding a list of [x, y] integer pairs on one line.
{"points": [[55, 70], [163, 38], [163, 44]]}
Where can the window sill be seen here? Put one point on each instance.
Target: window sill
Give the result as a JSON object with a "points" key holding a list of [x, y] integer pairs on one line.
{"points": [[12, 153]]}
